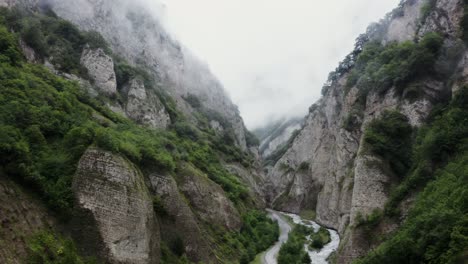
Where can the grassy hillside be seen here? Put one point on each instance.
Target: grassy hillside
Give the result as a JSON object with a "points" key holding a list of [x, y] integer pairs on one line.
{"points": [[47, 122]]}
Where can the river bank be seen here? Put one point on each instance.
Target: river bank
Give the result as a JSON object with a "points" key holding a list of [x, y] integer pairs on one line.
{"points": [[317, 256]]}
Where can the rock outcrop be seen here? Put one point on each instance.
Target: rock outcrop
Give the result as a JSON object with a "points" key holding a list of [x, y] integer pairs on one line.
{"points": [[144, 106], [111, 194], [207, 199], [178, 221], [138, 36], [276, 135], [21, 216], [100, 68], [326, 169]]}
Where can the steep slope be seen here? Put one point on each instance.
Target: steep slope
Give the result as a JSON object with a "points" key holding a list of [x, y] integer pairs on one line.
{"points": [[398, 65], [136, 35], [274, 136], [134, 173]]}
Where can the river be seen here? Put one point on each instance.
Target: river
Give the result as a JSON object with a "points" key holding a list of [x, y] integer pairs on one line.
{"points": [[316, 256]]}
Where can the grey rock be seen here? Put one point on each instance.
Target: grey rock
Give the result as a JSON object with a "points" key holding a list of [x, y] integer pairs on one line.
{"points": [[101, 69], [138, 36], [180, 220], [144, 106], [111, 190], [207, 199]]}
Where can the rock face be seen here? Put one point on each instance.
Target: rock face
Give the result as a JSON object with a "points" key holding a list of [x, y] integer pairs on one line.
{"points": [[207, 199], [138, 36], [326, 169], [144, 106], [276, 135], [101, 69], [21, 216], [178, 220], [111, 193]]}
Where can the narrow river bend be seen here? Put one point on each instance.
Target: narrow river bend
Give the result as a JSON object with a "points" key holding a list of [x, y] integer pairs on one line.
{"points": [[316, 256]]}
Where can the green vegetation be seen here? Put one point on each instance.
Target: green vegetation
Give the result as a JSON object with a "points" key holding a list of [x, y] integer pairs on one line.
{"points": [[52, 37], [426, 9], [308, 214], [435, 145], [47, 248], [251, 139], [379, 68], [320, 238], [193, 101], [351, 121], [304, 166], [169, 257], [435, 228], [368, 223], [46, 124], [293, 252], [258, 233], [390, 137]]}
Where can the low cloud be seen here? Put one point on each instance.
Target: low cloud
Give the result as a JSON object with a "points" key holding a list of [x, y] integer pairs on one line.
{"points": [[272, 56]]}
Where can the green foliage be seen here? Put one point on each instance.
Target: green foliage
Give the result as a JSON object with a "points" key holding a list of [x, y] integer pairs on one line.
{"points": [[435, 145], [258, 233], [293, 252], [379, 68], [9, 52], [436, 230], [351, 122], [304, 166], [308, 214], [251, 139], [426, 9], [158, 206], [193, 100], [52, 37], [390, 137], [320, 238], [168, 257], [47, 248]]}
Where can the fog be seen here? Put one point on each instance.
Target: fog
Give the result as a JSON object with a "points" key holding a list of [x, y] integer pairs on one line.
{"points": [[272, 56]]}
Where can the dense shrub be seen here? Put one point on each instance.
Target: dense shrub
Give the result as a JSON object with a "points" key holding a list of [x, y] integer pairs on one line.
{"points": [[257, 234], [379, 68], [251, 139], [435, 230], [391, 137], [320, 238], [292, 251], [46, 124], [193, 101], [53, 37], [426, 9], [47, 247]]}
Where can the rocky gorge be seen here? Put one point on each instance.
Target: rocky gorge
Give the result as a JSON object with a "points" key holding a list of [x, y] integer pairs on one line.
{"points": [[122, 146]]}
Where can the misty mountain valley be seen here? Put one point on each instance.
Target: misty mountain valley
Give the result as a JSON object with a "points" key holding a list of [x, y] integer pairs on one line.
{"points": [[222, 131]]}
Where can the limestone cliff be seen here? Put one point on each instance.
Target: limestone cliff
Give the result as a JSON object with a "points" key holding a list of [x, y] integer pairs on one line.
{"points": [[137, 35], [326, 168], [111, 193], [21, 215]]}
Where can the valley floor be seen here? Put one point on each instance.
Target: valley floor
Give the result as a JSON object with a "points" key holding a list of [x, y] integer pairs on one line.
{"points": [[285, 225]]}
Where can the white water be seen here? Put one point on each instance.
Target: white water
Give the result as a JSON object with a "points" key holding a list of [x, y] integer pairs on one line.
{"points": [[316, 256]]}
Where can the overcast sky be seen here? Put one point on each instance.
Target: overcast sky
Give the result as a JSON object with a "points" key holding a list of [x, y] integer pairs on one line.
{"points": [[272, 56]]}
